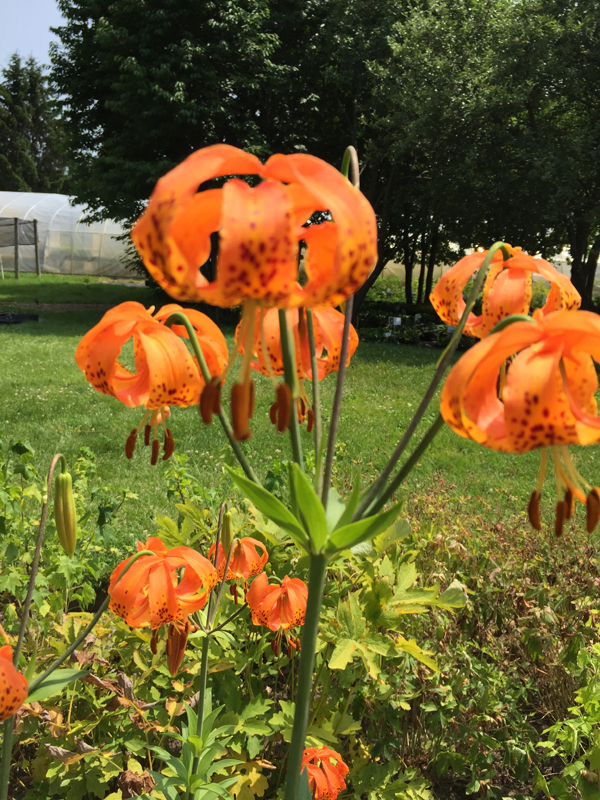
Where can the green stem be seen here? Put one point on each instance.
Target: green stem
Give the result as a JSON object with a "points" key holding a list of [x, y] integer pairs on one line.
{"points": [[442, 365], [310, 630], [7, 741], [316, 399], [350, 165], [407, 466], [179, 318], [337, 404], [289, 367], [36, 558], [201, 699]]}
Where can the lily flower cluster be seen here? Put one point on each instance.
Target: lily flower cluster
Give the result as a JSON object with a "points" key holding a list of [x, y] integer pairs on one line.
{"points": [[530, 382], [165, 587], [263, 230]]}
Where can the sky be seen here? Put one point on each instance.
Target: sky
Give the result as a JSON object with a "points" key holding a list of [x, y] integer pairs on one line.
{"points": [[25, 28]]}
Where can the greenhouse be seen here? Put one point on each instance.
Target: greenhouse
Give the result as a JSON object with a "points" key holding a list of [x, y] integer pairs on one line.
{"points": [[65, 243]]}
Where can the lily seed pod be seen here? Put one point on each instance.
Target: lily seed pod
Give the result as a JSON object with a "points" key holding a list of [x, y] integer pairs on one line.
{"points": [[64, 512], [227, 532]]}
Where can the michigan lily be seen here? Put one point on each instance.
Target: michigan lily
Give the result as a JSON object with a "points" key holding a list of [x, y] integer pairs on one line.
{"points": [[279, 607], [165, 372], [13, 685], [260, 231], [507, 289], [326, 772], [531, 385]]}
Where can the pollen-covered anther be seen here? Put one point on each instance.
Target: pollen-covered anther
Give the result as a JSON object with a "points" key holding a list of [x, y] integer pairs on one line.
{"points": [[592, 506], [310, 416], [570, 501], [533, 510], [155, 452], [147, 434], [210, 400], [168, 446], [242, 409], [281, 410], [561, 515], [130, 443]]}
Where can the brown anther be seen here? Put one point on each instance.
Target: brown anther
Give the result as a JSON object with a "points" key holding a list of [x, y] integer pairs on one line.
{"points": [[168, 446], [154, 642], [290, 649], [593, 509], [533, 510], [310, 415], [570, 501], [275, 645], [251, 398], [210, 400], [273, 413], [561, 516], [155, 451], [147, 433], [284, 407], [234, 592], [241, 404], [130, 443]]}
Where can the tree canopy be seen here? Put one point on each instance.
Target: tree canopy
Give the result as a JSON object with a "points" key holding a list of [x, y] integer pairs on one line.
{"points": [[475, 120], [32, 151]]}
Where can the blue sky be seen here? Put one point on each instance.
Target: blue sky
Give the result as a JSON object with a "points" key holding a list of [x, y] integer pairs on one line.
{"points": [[25, 28]]}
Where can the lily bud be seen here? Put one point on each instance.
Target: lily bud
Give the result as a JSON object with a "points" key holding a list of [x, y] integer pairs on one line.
{"points": [[226, 532], [65, 516]]}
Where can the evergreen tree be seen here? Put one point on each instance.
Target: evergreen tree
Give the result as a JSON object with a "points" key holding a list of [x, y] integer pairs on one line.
{"points": [[32, 153]]}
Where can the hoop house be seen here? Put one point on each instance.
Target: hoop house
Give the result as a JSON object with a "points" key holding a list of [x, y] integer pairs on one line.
{"points": [[66, 244]]}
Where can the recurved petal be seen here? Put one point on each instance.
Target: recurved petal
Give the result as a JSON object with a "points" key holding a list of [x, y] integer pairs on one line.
{"points": [[167, 368], [356, 242], [331, 326], [173, 257], [447, 296], [162, 599], [13, 685], [509, 292]]}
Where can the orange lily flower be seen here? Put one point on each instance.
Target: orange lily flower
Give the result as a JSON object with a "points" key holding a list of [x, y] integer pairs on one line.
{"points": [[13, 685], [328, 325], [245, 559], [507, 290], [326, 779], [151, 593], [166, 374], [260, 229], [278, 607], [531, 385]]}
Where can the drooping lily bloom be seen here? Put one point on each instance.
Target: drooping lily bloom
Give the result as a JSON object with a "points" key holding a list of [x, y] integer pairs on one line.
{"points": [[165, 372], [260, 229], [326, 772], [279, 607], [152, 593], [13, 685], [507, 289], [328, 326], [248, 557], [531, 385]]}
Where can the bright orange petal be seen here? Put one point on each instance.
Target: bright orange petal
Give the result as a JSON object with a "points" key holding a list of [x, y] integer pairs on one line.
{"points": [[13, 685], [162, 598]]}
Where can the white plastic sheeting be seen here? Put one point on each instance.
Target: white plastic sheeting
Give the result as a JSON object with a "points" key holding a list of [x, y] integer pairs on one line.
{"points": [[67, 245]]}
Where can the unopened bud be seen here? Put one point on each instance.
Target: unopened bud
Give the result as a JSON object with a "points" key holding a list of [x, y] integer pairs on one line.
{"points": [[65, 516], [226, 533]]}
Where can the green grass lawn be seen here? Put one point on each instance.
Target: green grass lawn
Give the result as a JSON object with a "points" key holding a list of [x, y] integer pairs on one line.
{"points": [[47, 401], [50, 288]]}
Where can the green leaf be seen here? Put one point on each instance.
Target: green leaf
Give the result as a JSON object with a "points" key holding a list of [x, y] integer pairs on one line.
{"points": [[310, 508], [351, 505], [55, 683], [395, 533], [350, 535], [335, 509], [343, 653], [412, 648], [271, 507]]}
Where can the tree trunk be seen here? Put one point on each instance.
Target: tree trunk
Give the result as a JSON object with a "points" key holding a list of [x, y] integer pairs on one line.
{"points": [[591, 265], [435, 240], [409, 261], [423, 267], [579, 235]]}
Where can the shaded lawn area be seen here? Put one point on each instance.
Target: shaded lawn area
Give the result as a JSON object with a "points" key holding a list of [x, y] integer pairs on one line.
{"points": [[47, 401], [50, 288]]}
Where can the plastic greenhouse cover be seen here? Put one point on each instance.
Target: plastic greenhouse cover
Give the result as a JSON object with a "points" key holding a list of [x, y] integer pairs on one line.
{"points": [[66, 244]]}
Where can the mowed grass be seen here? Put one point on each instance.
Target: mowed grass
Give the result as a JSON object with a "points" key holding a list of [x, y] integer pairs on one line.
{"points": [[47, 401], [50, 288]]}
